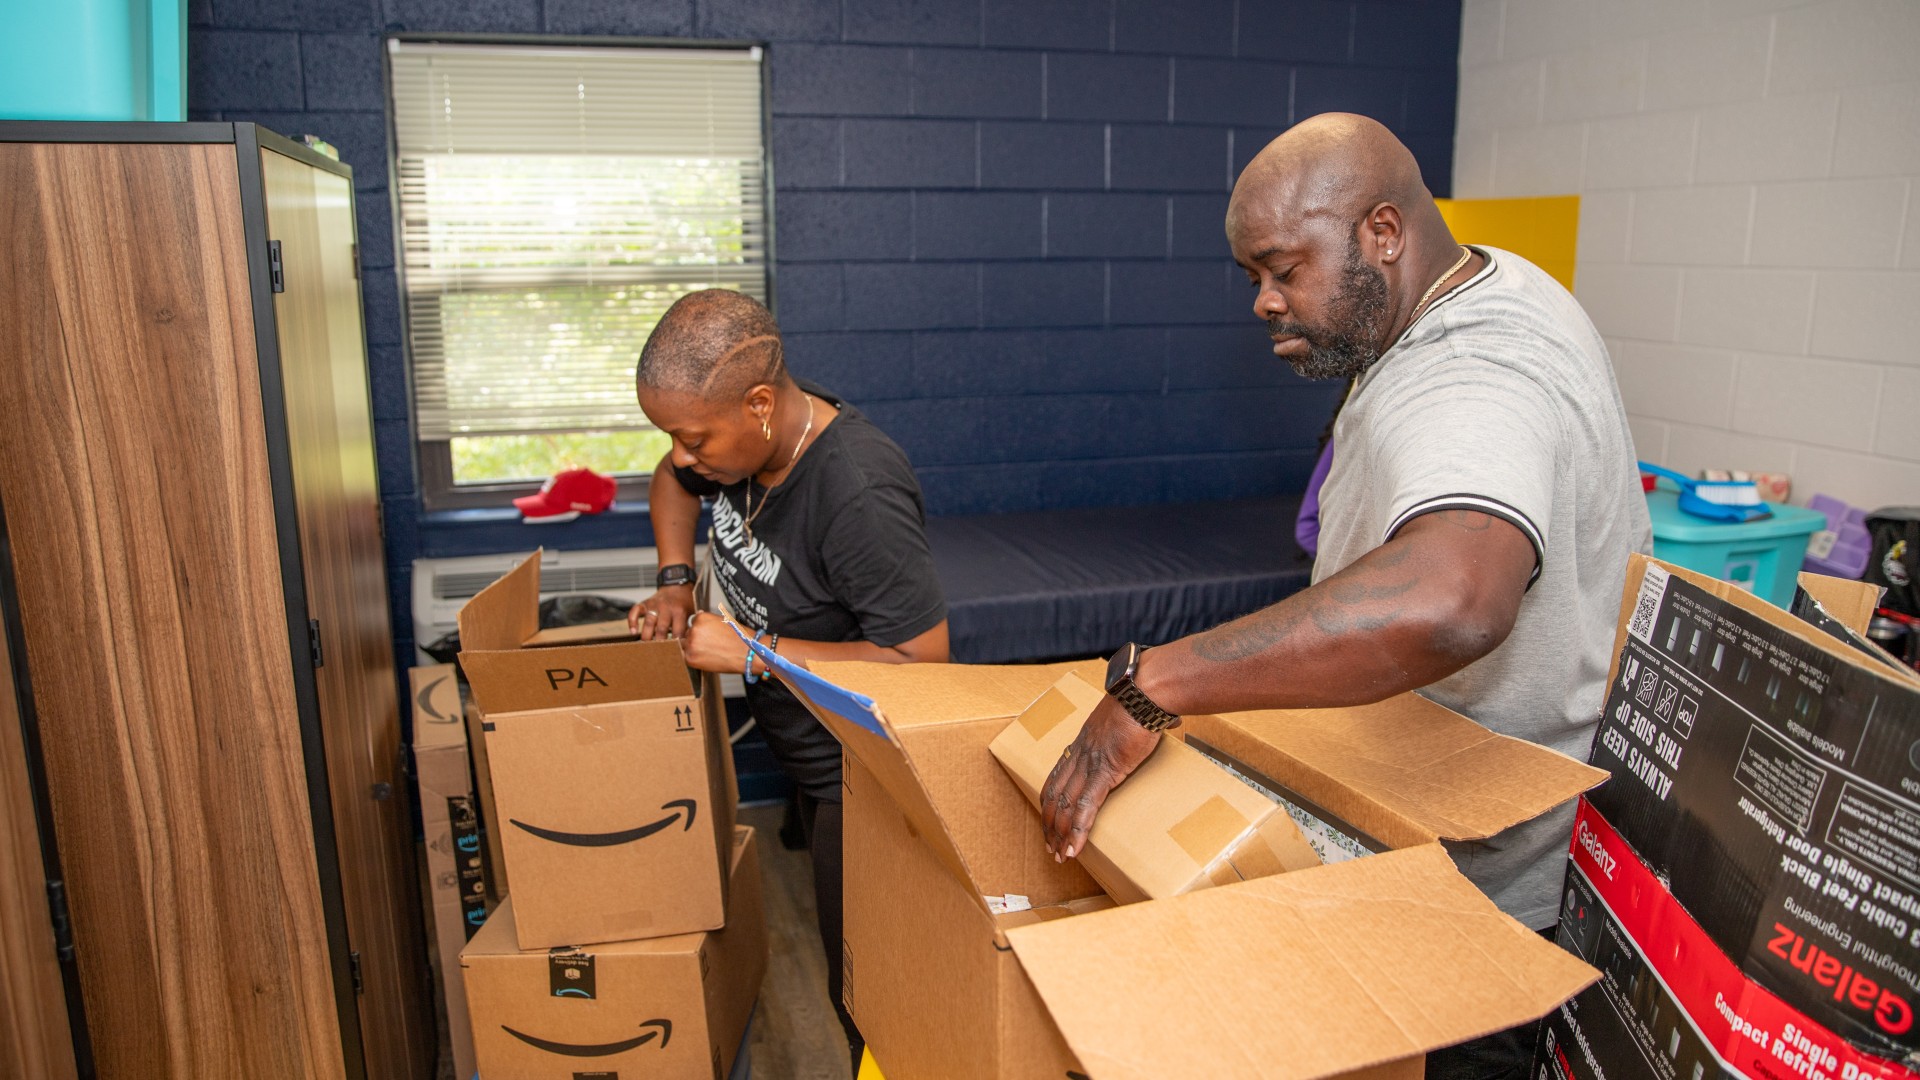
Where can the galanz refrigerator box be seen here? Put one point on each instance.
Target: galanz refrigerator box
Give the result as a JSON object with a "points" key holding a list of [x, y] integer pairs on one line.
{"points": [[1748, 881]]}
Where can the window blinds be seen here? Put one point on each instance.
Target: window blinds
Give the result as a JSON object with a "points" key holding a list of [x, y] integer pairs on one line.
{"points": [[553, 202]]}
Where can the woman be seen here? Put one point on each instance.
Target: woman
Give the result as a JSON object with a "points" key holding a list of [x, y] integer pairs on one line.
{"points": [[818, 547]]}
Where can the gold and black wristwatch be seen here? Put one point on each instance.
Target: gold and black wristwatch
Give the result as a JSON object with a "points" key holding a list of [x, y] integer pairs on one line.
{"points": [[1120, 672]]}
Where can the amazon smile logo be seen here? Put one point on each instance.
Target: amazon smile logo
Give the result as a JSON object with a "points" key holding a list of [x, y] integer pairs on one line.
{"points": [[422, 699], [662, 1030], [624, 836]]}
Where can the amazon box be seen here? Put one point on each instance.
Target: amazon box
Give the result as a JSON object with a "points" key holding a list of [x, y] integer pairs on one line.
{"points": [[450, 822], [672, 1007], [483, 789], [970, 952], [1749, 881], [1180, 823], [613, 783]]}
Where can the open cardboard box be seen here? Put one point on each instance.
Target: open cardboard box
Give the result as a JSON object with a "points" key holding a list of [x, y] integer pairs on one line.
{"points": [[1180, 823], [1354, 969], [613, 783]]}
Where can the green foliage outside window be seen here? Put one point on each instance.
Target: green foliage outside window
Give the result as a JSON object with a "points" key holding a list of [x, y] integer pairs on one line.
{"points": [[500, 458]]}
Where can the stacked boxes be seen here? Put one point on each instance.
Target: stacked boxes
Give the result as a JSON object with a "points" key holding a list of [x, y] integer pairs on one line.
{"points": [[1749, 880], [456, 858], [657, 1007], [1352, 969], [613, 798]]}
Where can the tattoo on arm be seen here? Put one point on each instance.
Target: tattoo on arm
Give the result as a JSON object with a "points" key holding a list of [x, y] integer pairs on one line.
{"points": [[1349, 604], [1248, 635]]}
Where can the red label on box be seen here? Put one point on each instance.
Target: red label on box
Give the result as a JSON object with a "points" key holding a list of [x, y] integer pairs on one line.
{"points": [[1748, 1028]]}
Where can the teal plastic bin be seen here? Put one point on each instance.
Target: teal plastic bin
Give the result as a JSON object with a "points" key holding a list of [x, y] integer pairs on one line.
{"points": [[1762, 557]]}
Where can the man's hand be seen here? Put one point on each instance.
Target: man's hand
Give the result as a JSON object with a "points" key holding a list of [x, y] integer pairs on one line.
{"points": [[662, 615], [1108, 749]]}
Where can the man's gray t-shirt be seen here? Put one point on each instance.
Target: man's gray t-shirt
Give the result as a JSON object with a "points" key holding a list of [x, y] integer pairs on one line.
{"points": [[1500, 398]]}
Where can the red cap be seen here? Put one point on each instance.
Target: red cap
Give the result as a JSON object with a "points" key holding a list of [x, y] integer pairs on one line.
{"points": [[566, 495]]}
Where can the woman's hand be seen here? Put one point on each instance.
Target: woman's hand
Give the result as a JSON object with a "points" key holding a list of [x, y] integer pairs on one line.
{"points": [[662, 615], [711, 644]]}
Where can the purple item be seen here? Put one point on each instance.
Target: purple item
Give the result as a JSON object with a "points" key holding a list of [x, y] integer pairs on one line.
{"points": [[1306, 527], [1846, 556]]}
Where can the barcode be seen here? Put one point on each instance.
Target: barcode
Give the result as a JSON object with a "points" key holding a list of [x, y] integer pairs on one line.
{"points": [[1652, 587], [1643, 616]]}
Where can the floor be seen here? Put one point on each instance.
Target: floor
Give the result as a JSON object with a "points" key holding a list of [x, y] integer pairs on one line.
{"points": [[795, 1034]]}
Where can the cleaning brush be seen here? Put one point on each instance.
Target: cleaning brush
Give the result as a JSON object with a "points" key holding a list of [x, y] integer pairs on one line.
{"points": [[1716, 500]]}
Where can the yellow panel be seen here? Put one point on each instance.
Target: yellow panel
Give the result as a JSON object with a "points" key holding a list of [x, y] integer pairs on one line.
{"points": [[1544, 231], [868, 1070]]}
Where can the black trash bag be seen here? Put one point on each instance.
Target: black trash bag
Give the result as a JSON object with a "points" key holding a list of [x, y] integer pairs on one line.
{"points": [[554, 611], [1895, 560]]}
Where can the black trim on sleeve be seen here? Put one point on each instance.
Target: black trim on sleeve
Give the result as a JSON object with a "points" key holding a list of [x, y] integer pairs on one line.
{"points": [[1484, 505]]}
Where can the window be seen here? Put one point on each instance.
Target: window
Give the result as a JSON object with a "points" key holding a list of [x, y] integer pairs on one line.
{"points": [[553, 201]]}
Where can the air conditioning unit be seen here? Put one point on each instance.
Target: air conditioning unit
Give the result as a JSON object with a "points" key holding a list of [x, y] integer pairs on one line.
{"points": [[442, 586]]}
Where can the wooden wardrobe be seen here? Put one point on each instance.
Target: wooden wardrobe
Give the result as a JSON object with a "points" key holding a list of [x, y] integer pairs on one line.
{"points": [[196, 590]]}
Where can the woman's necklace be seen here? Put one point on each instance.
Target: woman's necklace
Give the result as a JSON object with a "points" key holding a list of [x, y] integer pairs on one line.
{"points": [[808, 430], [1465, 254]]}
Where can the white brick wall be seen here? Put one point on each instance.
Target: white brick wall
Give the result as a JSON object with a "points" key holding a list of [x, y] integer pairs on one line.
{"points": [[1749, 173]]}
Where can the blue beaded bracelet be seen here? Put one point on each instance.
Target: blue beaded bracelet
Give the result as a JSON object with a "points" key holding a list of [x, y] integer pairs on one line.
{"points": [[748, 674]]}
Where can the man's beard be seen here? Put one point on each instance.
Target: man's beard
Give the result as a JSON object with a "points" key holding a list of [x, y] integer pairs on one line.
{"points": [[1348, 344]]}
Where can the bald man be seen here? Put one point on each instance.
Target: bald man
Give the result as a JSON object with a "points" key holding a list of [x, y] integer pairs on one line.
{"points": [[1475, 525]]}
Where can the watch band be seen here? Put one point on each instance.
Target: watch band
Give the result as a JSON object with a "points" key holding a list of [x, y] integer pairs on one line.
{"points": [[1143, 710], [676, 574]]}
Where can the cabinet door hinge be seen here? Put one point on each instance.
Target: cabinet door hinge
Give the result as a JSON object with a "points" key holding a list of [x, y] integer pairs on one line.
{"points": [[353, 963], [276, 273], [62, 920], [356, 262], [313, 643]]}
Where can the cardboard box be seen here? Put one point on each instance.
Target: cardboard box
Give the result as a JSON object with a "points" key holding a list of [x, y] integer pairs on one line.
{"points": [[1750, 879], [1180, 823], [1352, 969], [581, 634], [612, 776], [673, 1007], [489, 814], [450, 823]]}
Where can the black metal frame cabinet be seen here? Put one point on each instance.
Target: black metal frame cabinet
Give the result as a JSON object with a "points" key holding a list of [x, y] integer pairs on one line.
{"points": [[197, 586]]}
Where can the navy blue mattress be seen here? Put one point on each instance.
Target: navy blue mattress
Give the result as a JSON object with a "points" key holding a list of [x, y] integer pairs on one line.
{"points": [[1072, 583]]}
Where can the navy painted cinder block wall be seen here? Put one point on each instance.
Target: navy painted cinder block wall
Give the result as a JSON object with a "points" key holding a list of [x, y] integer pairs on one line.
{"points": [[998, 221]]}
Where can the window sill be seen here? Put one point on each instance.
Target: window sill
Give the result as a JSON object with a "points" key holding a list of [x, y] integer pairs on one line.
{"points": [[493, 530], [507, 515]]}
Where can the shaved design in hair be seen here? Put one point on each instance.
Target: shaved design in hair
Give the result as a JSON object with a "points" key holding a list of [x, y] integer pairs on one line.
{"points": [[715, 344]]}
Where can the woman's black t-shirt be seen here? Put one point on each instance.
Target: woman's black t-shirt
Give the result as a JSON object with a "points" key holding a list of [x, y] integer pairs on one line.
{"points": [[838, 553]]}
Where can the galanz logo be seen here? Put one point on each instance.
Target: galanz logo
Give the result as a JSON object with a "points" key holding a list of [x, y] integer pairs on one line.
{"points": [[623, 836], [1595, 849], [1889, 1010]]}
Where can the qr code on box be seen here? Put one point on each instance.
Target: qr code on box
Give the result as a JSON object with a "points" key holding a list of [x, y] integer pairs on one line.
{"points": [[1652, 588]]}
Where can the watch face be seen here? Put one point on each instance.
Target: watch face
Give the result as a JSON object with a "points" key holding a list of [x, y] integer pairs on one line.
{"points": [[1119, 669]]}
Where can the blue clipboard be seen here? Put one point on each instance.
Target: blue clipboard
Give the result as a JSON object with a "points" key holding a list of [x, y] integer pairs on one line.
{"points": [[843, 703]]}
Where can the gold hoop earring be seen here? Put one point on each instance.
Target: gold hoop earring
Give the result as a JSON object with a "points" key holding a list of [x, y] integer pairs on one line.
{"points": [[766, 429]]}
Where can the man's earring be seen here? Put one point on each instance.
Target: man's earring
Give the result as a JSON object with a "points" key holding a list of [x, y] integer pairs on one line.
{"points": [[766, 429]]}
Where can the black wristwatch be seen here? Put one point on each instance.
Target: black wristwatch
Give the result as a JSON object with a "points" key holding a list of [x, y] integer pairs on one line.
{"points": [[677, 574], [1120, 672]]}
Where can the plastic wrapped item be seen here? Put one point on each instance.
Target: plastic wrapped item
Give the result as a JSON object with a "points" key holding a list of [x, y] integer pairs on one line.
{"points": [[1773, 487]]}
